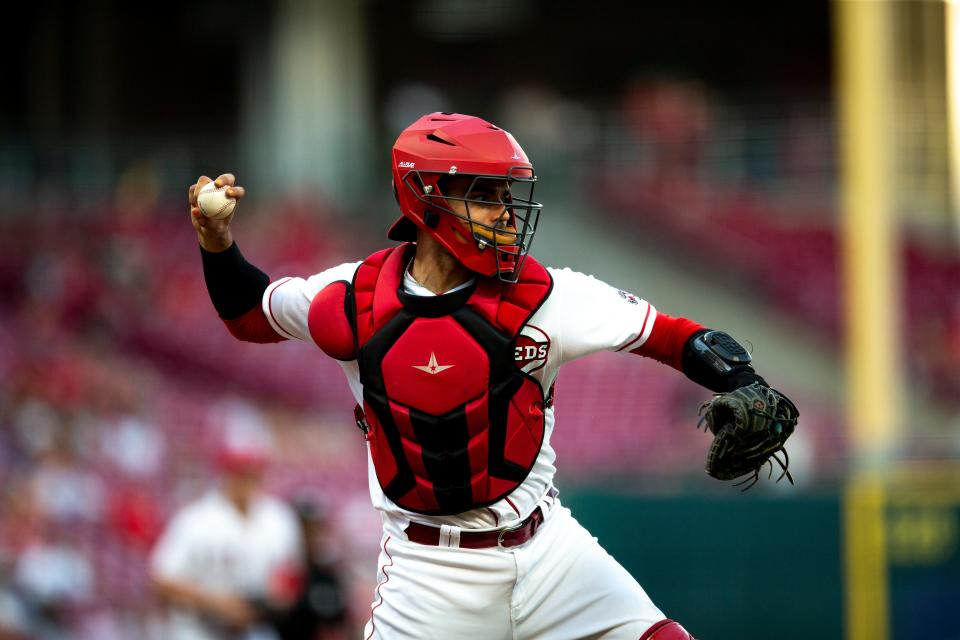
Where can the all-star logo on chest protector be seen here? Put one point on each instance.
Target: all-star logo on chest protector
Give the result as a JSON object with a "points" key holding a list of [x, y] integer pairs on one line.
{"points": [[455, 420], [433, 367]]}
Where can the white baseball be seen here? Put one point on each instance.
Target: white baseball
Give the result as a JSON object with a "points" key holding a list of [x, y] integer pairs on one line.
{"points": [[213, 201]]}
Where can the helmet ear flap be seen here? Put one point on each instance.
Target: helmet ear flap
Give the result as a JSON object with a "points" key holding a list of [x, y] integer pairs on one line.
{"points": [[396, 194]]}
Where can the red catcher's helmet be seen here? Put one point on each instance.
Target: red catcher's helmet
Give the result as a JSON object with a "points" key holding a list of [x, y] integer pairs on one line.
{"points": [[441, 144]]}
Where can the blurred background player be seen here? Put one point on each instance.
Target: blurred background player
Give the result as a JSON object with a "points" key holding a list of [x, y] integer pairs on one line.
{"points": [[232, 555], [320, 609]]}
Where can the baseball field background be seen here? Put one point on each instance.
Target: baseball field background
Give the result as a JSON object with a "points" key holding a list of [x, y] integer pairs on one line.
{"points": [[786, 172]]}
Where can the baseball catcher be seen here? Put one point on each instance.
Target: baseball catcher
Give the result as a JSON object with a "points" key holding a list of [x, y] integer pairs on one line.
{"points": [[451, 342], [750, 421]]}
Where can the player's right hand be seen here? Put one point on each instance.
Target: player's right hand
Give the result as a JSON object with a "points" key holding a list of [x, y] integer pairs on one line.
{"points": [[213, 233], [233, 612]]}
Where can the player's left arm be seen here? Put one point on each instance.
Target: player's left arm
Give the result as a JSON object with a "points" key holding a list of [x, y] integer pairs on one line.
{"points": [[711, 358], [750, 421], [590, 316]]}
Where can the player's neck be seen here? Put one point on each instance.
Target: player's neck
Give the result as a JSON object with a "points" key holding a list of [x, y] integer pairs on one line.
{"points": [[435, 269], [242, 505], [240, 498]]}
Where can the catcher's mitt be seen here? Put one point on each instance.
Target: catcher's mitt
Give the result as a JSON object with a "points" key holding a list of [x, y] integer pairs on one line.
{"points": [[750, 426]]}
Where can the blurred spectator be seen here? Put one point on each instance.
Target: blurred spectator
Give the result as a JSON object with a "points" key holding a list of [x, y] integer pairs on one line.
{"points": [[63, 488], [673, 116], [134, 445], [556, 129], [56, 579], [135, 518], [16, 618], [232, 555], [35, 424]]}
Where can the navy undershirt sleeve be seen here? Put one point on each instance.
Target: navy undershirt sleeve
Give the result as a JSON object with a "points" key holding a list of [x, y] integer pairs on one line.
{"points": [[235, 286]]}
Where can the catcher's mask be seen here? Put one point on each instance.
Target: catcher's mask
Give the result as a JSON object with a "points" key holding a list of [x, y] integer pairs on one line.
{"points": [[448, 157]]}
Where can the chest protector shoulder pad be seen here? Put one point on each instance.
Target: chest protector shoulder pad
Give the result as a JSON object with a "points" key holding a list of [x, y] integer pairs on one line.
{"points": [[454, 424]]}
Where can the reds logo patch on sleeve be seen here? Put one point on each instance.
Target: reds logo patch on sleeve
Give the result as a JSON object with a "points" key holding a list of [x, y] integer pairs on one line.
{"points": [[629, 297], [532, 349]]}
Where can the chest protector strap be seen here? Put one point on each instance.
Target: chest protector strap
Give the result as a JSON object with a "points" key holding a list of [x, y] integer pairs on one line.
{"points": [[454, 423]]}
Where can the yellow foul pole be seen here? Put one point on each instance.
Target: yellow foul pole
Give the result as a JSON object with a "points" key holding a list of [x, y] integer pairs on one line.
{"points": [[864, 65], [952, 41]]}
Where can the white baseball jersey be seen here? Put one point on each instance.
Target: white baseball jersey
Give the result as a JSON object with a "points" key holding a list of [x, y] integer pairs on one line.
{"points": [[582, 315], [559, 585], [210, 544]]}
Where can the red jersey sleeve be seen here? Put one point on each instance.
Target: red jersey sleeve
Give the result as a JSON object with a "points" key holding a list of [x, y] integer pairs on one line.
{"points": [[253, 327], [667, 339]]}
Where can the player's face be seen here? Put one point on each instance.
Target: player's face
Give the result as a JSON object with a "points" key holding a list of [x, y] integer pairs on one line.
{"points": [[243, 484], [482, 201]]}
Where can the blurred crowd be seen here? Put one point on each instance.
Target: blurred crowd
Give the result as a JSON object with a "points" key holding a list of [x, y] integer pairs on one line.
{"points": [[749, 196], [117, 378]]}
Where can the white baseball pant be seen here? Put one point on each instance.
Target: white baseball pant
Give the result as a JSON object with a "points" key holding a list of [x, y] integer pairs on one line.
{"points": [[560, 585]]}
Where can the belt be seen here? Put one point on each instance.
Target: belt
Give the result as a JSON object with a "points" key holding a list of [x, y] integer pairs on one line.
{"points": [[506, 537]]}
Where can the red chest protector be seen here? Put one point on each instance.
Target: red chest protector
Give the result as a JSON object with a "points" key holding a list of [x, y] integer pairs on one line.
{"points": [[454, 423]]}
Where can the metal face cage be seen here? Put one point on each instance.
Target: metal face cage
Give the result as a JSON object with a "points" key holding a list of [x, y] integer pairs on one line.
{"points": [[511, 236]]}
